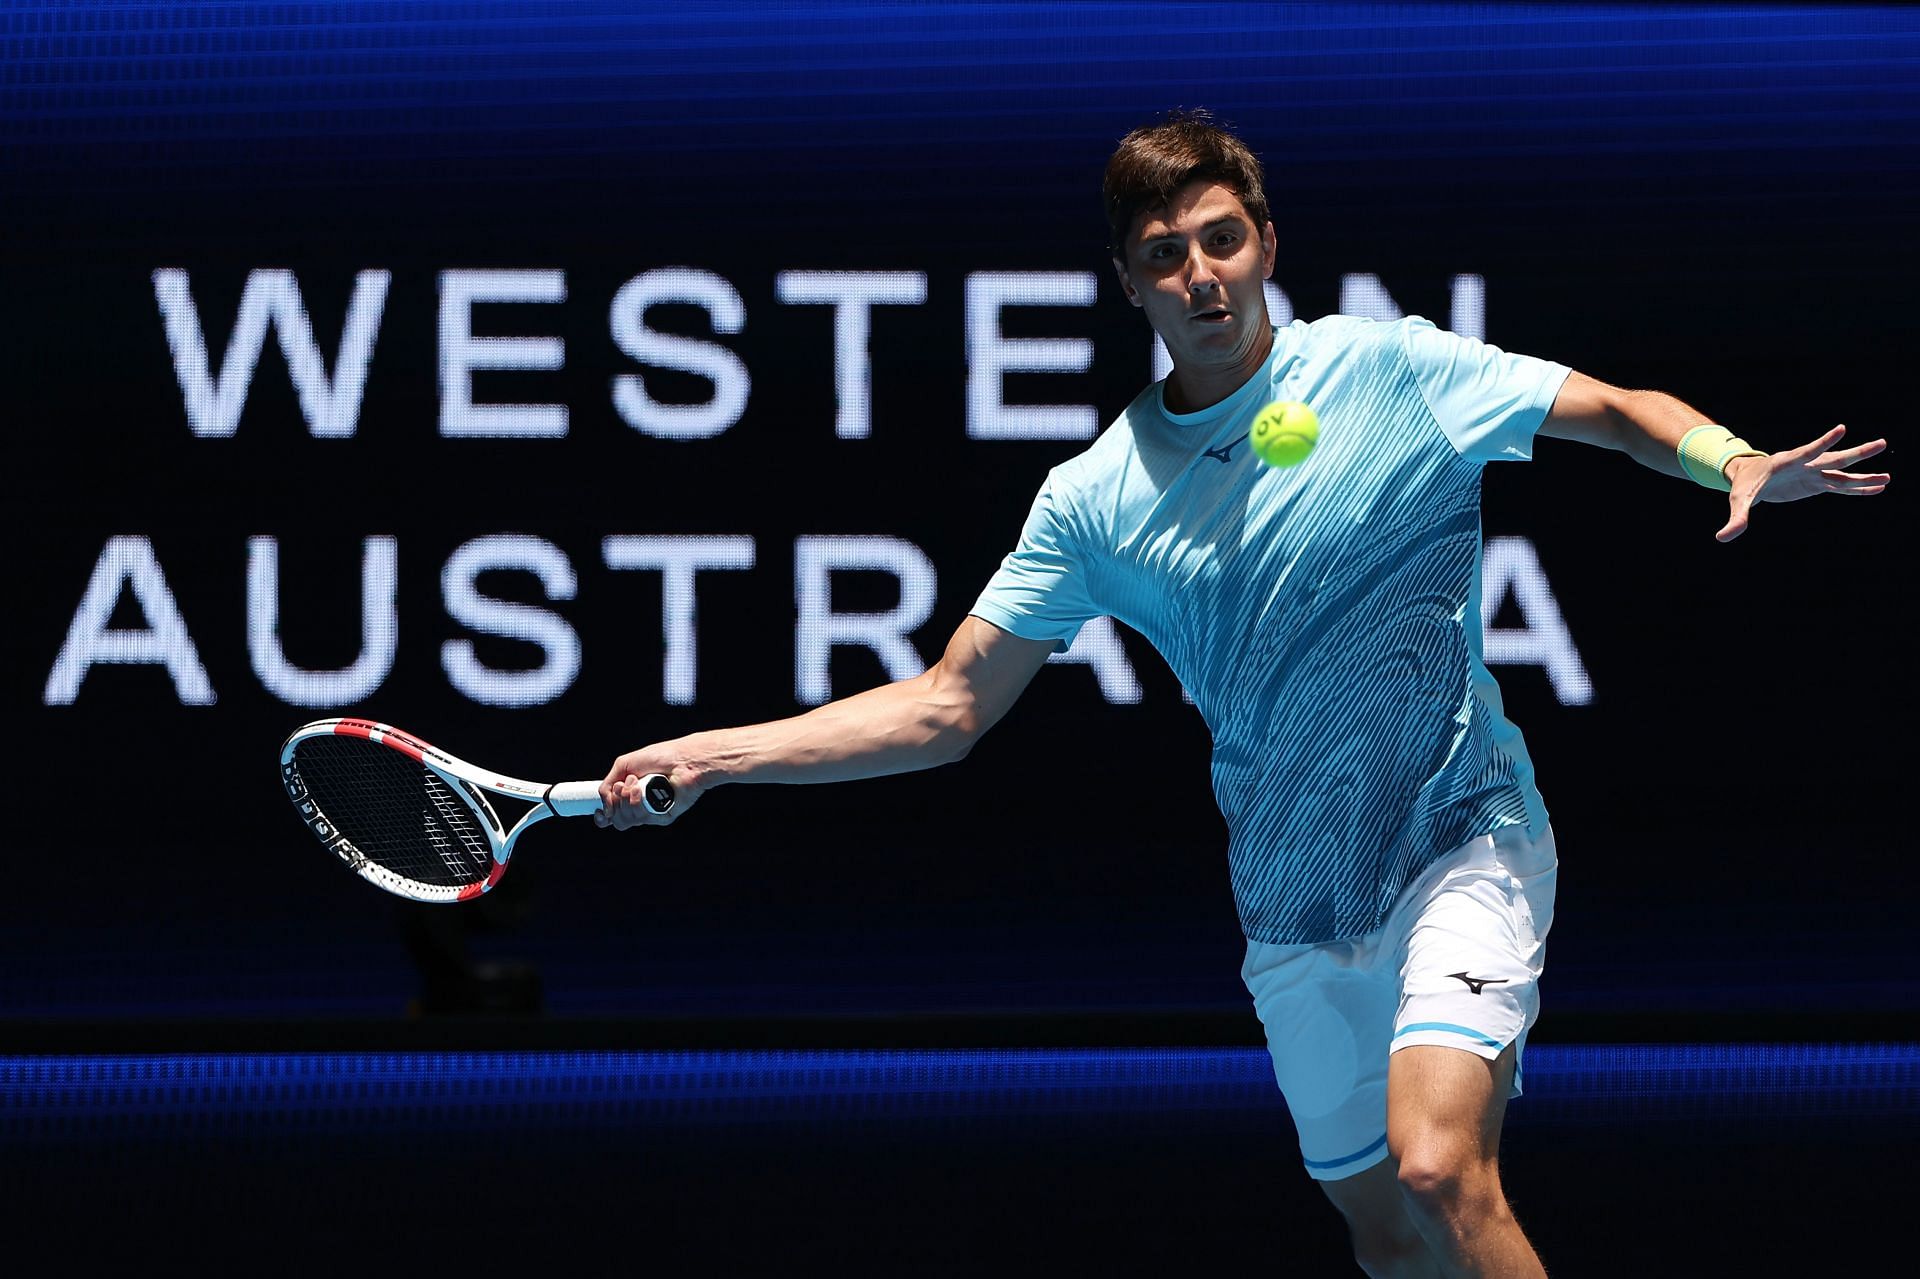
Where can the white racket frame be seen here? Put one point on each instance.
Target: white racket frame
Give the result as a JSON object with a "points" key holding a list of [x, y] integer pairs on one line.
{"points": [[467, 780]]}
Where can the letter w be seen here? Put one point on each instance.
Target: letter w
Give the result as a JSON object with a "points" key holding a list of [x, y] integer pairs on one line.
{"points": [[272, 296]]}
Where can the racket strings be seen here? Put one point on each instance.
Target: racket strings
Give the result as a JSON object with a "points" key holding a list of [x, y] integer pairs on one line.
{"points": [[400, 814]]}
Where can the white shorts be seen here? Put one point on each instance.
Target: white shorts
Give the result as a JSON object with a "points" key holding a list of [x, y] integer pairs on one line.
{"points": [[1457, 963]]}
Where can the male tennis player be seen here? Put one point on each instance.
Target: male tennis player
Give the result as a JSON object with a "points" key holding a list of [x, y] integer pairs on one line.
{"points": [[1390, 856]]}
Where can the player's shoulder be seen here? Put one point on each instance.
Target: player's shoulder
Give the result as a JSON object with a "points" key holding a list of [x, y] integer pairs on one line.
{"points": [[1121, 437], [1147, 409], [1359, 334], [1108, 457]]}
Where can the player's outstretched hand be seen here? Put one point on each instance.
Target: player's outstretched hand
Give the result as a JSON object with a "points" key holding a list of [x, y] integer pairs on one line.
{"points": [[621, 805], [1797, 473]]}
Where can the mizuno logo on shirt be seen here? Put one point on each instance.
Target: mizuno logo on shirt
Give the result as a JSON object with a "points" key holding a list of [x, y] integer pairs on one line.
{"points": [[1224, 454]]}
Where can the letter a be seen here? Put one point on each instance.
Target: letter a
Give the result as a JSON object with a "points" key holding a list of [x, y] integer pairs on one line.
{"points": [[128, 561]]}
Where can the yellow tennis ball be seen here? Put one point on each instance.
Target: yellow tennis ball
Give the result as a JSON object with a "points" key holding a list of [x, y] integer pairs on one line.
{"points": [[1284, 433]]}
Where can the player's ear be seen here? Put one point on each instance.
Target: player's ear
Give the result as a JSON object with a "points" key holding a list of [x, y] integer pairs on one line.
{"points": [[1126, 281], [1269, 249]]}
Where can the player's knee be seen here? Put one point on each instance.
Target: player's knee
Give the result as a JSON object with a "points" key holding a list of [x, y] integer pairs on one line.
{"points": [[1439, 1180], [1442, 1185]]}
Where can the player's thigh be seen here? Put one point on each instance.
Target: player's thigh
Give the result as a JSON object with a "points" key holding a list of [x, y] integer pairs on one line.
{"points": [[1471, 939], [1445, 1106], [1328, 1014]]}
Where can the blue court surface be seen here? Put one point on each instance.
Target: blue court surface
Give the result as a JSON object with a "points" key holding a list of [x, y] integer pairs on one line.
{"points": [[1643, 1159]]}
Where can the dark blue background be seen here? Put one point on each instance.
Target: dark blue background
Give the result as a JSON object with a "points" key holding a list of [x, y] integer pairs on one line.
{"points": [[1714, 200]]}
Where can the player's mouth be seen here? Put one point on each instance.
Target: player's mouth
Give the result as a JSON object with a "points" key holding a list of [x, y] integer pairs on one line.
{"points": [[1213, 315]]}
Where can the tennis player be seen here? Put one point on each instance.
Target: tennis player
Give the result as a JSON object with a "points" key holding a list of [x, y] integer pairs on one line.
{"points": [[1391, 858]]}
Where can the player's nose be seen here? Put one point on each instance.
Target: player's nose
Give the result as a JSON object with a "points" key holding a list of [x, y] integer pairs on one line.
{"points": [[1200, 274]]}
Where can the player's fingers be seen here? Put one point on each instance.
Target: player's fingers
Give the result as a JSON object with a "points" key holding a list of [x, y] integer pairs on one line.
{"points": [[614, 809], [1847, 457], [609, 785], [614, 799], [1736, 521], [630, 812], [1819, 446]]}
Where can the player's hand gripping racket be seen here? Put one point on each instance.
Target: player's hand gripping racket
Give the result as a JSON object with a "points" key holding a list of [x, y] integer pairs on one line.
{"points": [[411, 818]]}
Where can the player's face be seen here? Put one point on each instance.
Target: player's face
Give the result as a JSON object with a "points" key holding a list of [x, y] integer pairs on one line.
{"points": [[1196, 268]]}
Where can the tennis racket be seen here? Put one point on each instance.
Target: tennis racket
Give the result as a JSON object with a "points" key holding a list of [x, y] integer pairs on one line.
{"points": [[414, 820]]}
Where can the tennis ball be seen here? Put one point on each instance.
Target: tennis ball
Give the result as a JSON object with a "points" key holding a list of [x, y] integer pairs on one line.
{"points": [[1284, 433]]}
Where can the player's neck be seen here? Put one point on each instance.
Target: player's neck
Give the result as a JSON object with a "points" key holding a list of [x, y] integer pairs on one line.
{"points": [[1190, 389]]}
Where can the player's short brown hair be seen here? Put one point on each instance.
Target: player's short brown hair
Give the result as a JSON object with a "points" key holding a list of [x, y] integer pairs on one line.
{"points": [[1153, 162]]}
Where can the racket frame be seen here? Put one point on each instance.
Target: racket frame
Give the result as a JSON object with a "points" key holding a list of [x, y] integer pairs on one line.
{"points": [[560, 799]]}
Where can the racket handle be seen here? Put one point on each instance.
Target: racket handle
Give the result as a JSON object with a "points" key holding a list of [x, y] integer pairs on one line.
{"points": [[574, 799], [582, 799]]}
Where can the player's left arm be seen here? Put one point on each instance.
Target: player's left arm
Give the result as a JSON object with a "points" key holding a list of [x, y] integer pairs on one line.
{"points": [[1648, 426]]}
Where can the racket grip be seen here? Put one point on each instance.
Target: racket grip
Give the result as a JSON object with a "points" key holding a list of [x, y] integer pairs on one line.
{"points": [[582, 799], [574, 799]]}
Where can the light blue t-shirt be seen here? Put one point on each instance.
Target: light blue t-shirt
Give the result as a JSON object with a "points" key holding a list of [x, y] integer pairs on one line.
{"points": [[1325, 617]]}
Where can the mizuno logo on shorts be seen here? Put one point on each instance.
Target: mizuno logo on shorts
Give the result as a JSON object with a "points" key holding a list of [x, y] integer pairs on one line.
{"points": [[1475, 983]]}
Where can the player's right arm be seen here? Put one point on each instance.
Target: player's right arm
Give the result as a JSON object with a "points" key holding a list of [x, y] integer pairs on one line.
{"points": [[933, 718], [1649, 426]]}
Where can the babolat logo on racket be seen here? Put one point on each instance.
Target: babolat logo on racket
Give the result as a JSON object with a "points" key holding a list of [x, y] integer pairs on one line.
{"points": [[315, 819], [339, 845], [343, 849]]}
